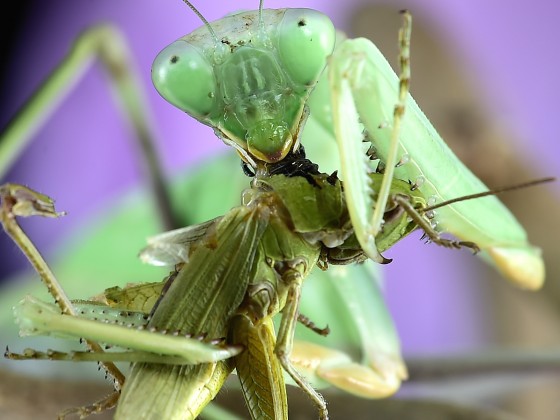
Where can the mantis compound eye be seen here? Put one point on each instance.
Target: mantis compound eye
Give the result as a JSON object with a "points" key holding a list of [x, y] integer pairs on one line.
{"points": [[305, 40], [185, 78]]}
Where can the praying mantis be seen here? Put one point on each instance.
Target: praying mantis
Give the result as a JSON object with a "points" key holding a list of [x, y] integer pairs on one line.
{"points": [[358, 202]]}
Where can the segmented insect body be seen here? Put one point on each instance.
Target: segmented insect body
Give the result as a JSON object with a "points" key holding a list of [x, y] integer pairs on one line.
{"points": [[245, 77], [200, 299], [236, 273], [249, 267]]}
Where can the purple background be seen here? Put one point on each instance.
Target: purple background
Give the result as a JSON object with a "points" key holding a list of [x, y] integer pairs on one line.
{"points": [[84, 150]]}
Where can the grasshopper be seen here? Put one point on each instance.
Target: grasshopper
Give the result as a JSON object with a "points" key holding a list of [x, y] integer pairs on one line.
{"points": [[267, 271], [258, 255], [262, 140]]}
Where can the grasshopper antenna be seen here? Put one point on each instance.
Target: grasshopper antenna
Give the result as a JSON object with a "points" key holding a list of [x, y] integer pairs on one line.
{"points": [[260, 12], [495, 191], [203, 19]]}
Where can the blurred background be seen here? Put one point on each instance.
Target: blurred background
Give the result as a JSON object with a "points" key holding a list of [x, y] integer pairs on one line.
{"points": [[484, 73]]}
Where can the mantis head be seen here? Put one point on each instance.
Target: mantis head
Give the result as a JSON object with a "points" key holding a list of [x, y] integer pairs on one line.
{"points": [[248, 76]]}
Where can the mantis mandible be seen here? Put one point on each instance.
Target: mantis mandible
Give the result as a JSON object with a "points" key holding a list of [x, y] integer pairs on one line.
{"points": [[365, 212]]}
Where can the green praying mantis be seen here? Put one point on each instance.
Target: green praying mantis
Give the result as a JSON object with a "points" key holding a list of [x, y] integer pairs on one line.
{"points": [[279, 239]]}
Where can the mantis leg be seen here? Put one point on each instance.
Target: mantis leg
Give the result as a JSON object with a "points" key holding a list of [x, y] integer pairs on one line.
{"points": [[107, 44], [367, 328], [357, 97], [363, 91]]}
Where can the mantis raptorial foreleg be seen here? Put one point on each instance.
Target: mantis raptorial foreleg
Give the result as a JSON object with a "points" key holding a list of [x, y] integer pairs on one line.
{"points": [[362, 82], [355, 89], [361, 308]]}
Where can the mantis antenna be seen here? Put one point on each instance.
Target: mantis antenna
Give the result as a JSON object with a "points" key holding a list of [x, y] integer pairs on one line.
{"points": [[486, 193], [203, 19]]}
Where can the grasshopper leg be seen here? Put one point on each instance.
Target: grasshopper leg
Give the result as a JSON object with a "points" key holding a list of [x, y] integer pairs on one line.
{"points": [[107, 403], [258, 369], [429, 231], [285, 342], [17, 200]]}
